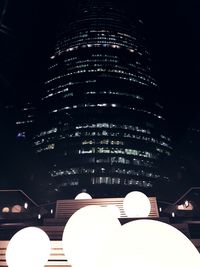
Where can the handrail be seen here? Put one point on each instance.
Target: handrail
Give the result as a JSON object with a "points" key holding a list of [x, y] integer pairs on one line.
{"points": [[192, 188], [22, 192]]}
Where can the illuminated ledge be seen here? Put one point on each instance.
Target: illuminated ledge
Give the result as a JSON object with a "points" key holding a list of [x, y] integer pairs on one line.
{"points": [[65, 208], [49, 264], [56, 257], [60, 264]]}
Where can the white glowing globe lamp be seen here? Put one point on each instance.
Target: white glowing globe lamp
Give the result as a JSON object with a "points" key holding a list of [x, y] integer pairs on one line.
{"points": [[83, 195], [136, 204], [28, 247], [85, 234], [149, 243], [113, 209]]}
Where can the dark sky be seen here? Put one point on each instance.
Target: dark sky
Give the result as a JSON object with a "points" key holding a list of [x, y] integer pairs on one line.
{"points": [[173, 32]]}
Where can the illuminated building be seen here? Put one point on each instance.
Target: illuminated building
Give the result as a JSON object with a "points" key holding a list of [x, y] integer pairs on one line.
{"points": [[104, 124], [25, 120]]}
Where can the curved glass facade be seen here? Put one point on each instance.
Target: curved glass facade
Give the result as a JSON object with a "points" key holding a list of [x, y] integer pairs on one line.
{"points": [[105, 124]]}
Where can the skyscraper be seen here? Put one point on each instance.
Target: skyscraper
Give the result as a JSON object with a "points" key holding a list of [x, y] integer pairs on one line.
{"points": [[104, 128]]}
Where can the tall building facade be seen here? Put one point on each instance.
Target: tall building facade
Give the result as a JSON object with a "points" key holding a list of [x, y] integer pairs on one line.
{"points": [[104, 128], [25, 120]]}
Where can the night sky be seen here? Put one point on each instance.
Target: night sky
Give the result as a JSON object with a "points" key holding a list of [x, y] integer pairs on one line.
{"points": [[173, 35], [172, 29]]}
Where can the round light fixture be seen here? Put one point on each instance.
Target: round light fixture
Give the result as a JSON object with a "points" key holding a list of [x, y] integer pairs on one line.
{"points": [[149, 243], [28, 247], [16, 209], [83, 195], [113, 209], [86, 233], [136, 204], [5, 210]]}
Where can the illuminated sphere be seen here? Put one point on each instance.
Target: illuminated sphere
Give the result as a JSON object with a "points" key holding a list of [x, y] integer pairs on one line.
{"points": [[85, 234], [5, 210], [114, 210], [83, 195], [136, 204], [149, 243], [29, 247], [17, 209]]}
